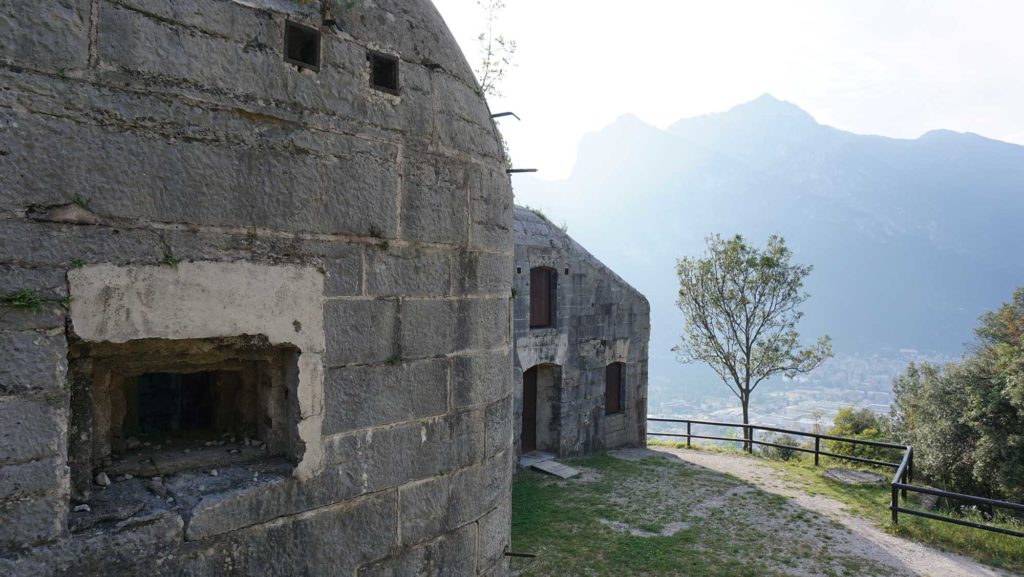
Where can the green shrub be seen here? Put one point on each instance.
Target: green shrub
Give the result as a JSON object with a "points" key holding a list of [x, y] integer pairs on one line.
{"points": [[783, 453]]}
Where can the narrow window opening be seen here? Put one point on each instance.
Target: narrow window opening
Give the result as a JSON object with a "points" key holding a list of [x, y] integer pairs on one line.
{"points": [[383, 72], [613, 390], [302, 46], [543, 291]]}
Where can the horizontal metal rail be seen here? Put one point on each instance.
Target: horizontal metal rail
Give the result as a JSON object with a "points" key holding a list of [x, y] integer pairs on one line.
{"points": [[901, 480]]}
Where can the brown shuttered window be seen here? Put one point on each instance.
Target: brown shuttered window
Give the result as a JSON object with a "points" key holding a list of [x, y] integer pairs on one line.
{"points": [[613, 388], [542, 302]]}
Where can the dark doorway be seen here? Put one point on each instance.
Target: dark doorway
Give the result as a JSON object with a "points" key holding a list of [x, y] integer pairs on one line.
{"points": [[529, 433]]}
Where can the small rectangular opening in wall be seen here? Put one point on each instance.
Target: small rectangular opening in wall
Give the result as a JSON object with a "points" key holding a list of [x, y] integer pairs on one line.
{"points": [[169, 402], [302, 46], [383, 72], [154, 407]]}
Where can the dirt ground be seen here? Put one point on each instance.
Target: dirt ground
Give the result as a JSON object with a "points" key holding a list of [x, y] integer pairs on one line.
{"points": [[847, 536]]}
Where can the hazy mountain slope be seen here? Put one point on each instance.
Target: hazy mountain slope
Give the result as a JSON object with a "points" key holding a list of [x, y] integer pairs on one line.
{"points": [[911, 239]]}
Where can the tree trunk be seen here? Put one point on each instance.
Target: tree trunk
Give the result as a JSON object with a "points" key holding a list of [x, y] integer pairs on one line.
{"points": [[747, 434]]}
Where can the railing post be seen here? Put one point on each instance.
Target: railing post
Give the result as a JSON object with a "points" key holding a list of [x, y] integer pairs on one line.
{"points": [[910, 466], [817, 449], [893, 504], [750, 437], [688, 434]]}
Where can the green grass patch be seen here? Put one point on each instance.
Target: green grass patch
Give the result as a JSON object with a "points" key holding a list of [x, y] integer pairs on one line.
{"points": [[657, 517], [872, 502]]}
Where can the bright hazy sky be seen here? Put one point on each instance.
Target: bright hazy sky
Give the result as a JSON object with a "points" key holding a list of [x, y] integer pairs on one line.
{"points": [[891, 67]]}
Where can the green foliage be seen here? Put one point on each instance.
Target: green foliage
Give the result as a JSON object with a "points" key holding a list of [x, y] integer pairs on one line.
{"points": [[82, 201], [170, 260], [22, 299], [25, 299], [740, 312], [76, 263], [966, 420], [783, 453], [861, 424], [496, 52]]}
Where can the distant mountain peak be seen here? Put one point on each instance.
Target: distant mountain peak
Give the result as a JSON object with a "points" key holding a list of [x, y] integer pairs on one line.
{"points": [[764, 112], [768, 106]]}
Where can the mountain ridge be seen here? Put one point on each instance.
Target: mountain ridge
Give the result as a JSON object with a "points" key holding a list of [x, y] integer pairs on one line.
{"points": [[911, 238]]}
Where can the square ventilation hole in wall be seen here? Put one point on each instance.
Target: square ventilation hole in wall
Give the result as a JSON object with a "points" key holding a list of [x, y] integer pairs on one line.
{"points": [[383, 72], [302, 46]]}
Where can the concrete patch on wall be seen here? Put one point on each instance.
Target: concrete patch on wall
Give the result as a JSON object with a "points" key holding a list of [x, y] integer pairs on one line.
{"points": [[199, 300]]}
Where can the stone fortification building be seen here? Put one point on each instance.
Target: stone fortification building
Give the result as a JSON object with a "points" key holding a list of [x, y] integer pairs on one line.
{"points": [[580, 336], [255, 270]]}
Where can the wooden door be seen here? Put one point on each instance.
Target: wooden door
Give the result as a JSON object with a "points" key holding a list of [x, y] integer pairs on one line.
{"points": [[528, 436], [540, 297]]}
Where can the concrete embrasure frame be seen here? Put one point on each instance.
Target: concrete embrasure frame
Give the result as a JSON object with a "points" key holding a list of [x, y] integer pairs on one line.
{"points": [[202, 300]]}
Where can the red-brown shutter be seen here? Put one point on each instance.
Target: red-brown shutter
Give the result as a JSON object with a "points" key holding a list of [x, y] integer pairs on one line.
{"points": [[613, 388], [540, 297]]}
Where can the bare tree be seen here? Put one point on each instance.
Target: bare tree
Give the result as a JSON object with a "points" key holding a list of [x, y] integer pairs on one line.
{"points": [[496, 51], [740, 313]]}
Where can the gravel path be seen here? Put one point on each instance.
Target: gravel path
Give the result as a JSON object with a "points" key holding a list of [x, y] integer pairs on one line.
{"points": [[855, 533]]}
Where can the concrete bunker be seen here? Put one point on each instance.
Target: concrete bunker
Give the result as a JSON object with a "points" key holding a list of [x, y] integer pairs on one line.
{"points": [[286, 254], [580, 337]]}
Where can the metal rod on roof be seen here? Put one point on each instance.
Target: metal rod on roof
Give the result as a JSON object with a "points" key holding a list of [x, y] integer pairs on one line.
{"points": [[501, 114], [520, 170]]}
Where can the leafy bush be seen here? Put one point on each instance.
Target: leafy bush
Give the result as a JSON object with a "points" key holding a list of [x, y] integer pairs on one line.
{"points": [[966, 420], [784, 453], [865, 425]]}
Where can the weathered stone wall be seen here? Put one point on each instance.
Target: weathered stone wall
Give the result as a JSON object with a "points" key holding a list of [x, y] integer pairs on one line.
{"points": [[143, 133], [600, 320]]}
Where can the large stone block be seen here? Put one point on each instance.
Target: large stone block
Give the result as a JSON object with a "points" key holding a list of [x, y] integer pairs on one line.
{"points": [[411, 271], [451, 554], [462, 124], [492, 211], [270, 499], [50, 35], [360, 331], [498, 425], [333, 540], [486, 273], [435, 198], [441, 327], [32, 478], [481, 378], [344, 271], [423, 509], [46, 284], [33, 362], [477, 490], [31, 521], [376, 459], [145, 548], [48, 244], [31, 429], [225, 19], [360, 397], [495, 529]]}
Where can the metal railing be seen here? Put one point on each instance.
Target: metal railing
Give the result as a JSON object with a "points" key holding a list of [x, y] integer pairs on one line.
{"points": [[901, 482]]}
